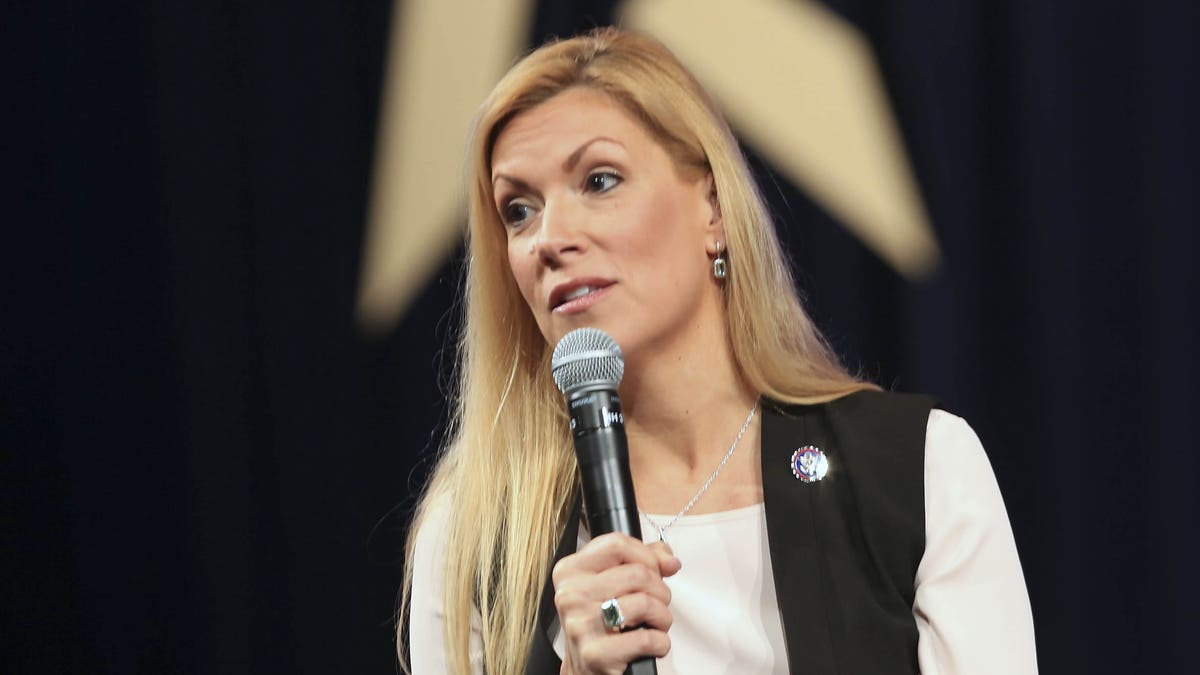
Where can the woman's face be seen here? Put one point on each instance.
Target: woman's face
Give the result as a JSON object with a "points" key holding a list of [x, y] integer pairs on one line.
{"points": [[603, 229]]}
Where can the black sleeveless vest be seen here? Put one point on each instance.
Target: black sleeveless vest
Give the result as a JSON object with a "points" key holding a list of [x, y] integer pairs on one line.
{"points": [[845, 549]]}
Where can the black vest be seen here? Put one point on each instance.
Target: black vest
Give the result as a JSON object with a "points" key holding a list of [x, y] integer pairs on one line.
{"points": [[845, 549]]}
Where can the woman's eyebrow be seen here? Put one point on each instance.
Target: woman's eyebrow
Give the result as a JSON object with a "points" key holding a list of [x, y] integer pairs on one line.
{"points": [[517, 182], [574, 157], [568, 165]]}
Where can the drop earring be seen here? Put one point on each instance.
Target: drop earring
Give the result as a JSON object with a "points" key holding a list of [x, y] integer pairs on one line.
{"points": [[720, 266]]}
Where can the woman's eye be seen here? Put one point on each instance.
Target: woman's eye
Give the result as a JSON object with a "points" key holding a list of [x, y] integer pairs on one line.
{"points": [[602, 181], [515, 213]]}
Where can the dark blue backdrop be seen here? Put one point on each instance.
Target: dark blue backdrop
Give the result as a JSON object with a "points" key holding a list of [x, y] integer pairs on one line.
{"points": [[197, 443]]}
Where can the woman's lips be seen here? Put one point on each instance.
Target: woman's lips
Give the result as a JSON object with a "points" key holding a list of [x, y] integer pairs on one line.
{"points": [[583, 302]]}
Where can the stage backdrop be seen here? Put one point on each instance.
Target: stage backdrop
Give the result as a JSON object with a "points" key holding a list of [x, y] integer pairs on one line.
{"points": [[224, 366]]}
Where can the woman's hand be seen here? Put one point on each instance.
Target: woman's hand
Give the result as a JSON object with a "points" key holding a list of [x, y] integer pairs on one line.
{"points": [[614, 566]]}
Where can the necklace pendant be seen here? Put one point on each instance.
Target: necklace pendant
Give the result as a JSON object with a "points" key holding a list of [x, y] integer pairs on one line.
{"points": [[662, 534]]}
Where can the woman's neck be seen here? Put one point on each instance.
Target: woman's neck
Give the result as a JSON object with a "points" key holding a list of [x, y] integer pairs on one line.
{"points": [[683, 409]]}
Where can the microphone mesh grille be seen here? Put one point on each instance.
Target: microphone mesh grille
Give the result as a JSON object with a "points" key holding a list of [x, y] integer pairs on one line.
{"points": [[587, 357]]}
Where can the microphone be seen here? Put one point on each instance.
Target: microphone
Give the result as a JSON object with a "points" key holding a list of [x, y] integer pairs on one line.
{"points": [[587, 366]]}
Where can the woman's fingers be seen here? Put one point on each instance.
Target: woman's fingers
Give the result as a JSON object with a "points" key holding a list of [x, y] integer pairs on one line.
{"points": [[668, 564], [614, 566], [582, 618], [614, 582], [615, 652], [643, 609], [609, 550], [610, 566]]}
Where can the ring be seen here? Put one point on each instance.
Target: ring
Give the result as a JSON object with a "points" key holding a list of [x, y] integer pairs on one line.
{"points": [[610, 614]]}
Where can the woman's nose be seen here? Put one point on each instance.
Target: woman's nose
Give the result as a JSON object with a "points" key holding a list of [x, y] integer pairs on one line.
{"points": [[560, 234]]}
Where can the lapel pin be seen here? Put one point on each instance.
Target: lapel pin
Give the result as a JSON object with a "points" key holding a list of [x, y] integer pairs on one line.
{"points": [[809, 464]]}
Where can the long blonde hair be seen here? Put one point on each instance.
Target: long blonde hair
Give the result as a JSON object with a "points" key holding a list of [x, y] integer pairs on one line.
{"points": [[507, 474]]}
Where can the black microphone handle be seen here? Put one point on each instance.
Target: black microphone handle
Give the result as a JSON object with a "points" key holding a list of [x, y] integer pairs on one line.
{"points": [[598, 428], [643, 666], [608, 497]]}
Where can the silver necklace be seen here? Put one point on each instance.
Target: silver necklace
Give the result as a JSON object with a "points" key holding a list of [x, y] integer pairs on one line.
{"points": [[662, 529]]}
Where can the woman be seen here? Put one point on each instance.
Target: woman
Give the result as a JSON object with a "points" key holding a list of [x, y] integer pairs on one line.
{"points": [[607, 191]]}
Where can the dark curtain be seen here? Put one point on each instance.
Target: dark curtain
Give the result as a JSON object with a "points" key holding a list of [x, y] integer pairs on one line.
{"points": [[206, 466]]}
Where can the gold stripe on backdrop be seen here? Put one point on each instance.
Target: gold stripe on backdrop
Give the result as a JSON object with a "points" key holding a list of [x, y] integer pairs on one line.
{"points": [[800, 85], [443, 58]]}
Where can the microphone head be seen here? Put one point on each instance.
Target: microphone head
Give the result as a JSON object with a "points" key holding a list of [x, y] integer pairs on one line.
{"points": [[587, 358]]}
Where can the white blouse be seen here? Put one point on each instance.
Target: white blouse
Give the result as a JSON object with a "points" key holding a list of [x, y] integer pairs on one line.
{"points": [[971, 607]]}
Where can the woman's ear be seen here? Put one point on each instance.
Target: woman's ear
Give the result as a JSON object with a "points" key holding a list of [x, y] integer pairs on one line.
{"points": [[716, 226]]}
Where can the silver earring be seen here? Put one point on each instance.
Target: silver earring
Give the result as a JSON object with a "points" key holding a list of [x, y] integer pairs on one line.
{"points": [[720, 267]]}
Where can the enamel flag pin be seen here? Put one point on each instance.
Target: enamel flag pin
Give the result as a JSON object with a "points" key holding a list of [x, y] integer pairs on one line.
{"points": [[809, 464]]}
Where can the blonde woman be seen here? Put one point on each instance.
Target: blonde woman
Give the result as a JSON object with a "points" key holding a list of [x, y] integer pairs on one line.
{"points": [[796, 518]]}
